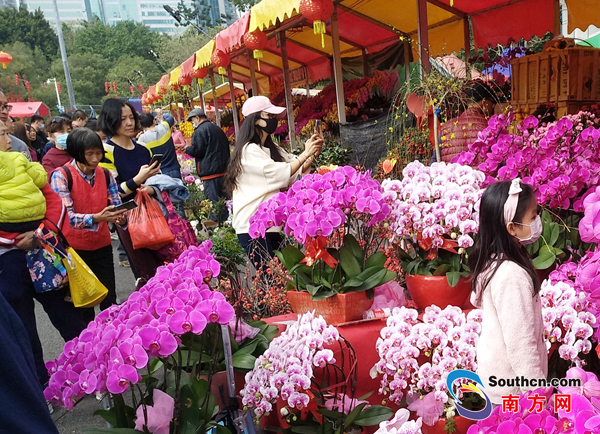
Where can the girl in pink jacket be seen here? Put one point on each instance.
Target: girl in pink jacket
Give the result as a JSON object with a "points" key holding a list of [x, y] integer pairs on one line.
{"points": [[506, 287]]}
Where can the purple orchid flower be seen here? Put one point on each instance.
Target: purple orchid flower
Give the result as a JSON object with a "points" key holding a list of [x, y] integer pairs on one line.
{"points": [[120, 377]]}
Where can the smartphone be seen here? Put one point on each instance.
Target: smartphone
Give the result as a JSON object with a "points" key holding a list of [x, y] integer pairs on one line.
{"points": [[318, 125], [156, 157], [126, 205]]}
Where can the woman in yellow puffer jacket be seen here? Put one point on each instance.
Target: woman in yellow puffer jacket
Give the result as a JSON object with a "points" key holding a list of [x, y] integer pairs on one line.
{"points": [[22, 204]]}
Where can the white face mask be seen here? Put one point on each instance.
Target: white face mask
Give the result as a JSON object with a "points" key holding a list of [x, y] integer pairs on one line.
{"points": [[535, 228]]}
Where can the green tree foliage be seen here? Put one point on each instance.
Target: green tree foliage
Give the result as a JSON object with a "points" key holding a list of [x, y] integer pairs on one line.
{"points": [[172, 52], [244, 5], [126, 38], [133, 70], [30, 28], [88, 74]]}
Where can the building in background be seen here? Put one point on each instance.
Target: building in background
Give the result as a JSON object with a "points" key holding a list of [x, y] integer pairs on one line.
{"points": [[9, 4], [149, 12]]}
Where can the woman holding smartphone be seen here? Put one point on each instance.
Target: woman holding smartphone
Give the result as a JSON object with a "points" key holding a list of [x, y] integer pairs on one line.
{"points": [[85, 189], [130, 162], [258, 170]]}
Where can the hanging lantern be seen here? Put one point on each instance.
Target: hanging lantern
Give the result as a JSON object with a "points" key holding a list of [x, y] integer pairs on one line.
{"points": [[19, 98], [220, 59], [114, 86], [12, 97], [200, 74], [28, 86], [256, 41], [58, 87], [318, 11], [131, 89], [152, 94], [5, 59], [17, 80], [140, 87], [185, 81], [106, 87]]}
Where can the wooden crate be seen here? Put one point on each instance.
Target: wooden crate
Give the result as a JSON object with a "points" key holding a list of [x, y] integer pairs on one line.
{"points": [[570, 77]]}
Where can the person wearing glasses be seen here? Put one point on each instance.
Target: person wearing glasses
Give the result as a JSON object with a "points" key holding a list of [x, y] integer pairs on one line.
{"points": [[56, 157], [18, 145], [258, 170]]}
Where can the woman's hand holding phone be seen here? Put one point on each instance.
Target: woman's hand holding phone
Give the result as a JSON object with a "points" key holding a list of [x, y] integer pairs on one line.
{"points": [[109, 214], [146, 171]]}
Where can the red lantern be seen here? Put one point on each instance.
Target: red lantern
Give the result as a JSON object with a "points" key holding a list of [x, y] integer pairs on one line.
{"points": [[256, 41], [220, 59], [200, 73], [318, 11], [28, 86], [114, 86], [106, 86], [131, 89], [58, 87], [185, 81], [17, 80], [5, 59], [140, 87], [19, 98]]}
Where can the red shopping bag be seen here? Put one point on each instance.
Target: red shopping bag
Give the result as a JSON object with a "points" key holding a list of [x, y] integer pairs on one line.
{"points": [[147, 226]]}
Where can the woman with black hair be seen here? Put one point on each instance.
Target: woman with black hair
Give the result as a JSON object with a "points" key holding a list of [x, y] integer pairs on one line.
{"points": [[258, 170], [85, 189], [57, 155], [130, 164], [506, 287]]}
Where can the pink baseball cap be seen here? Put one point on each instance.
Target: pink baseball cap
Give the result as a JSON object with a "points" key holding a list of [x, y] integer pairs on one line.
{"points": [[260, 104]]}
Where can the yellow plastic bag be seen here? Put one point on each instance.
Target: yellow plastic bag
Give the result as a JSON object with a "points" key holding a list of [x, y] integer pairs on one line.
{"points": [[86, 289]]}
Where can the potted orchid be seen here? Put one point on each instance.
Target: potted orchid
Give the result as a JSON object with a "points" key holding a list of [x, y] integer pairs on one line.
{"points": [[416, 358], [308, 378], [334, 217], [434, 217], [560, 160], [138, 348]]}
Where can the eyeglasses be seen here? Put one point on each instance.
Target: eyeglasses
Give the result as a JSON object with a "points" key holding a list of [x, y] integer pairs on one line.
{"points": [[57, 120], [5, 107]]}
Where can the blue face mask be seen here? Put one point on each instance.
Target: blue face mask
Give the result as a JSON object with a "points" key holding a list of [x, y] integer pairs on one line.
{"points": [[61, 140]]}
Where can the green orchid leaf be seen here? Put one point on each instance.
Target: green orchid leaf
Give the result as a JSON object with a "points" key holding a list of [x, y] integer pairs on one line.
{"points": [[312, 289], [322, 295], [290, 256], [373, 415], [554, 234], [544, 261], [349, 263], [441, 270], [352, 245], [243, 360], [453, 277], [376, 260]]}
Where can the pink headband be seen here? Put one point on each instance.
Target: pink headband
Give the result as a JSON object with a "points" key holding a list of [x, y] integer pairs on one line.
{"points": [[510, 206]]}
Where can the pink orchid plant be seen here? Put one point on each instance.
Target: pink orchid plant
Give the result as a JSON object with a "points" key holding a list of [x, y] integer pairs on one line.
{"points": [[341, 209], [290, 376], [416, 357], [125, 345], [582, 418], [435, 215], [568, 321]]}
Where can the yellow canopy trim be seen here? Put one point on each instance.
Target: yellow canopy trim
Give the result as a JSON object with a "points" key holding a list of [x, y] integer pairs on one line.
{"points": [[267, 12], [582, 14], [203, 55], [175, 74]]}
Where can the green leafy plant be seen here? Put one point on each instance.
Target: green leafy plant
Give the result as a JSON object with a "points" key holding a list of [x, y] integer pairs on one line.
{"points": [[445, 263], [225, 244], [545, 251], [326, 272]]}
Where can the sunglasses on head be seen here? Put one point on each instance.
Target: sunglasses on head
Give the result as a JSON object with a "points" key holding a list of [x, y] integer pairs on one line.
{"points": [[57, 120]]}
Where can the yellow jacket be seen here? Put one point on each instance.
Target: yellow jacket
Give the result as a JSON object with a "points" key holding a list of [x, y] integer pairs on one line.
{"points": [[21, 181]]}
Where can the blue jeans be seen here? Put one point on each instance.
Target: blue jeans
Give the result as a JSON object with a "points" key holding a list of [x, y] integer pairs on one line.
{"points": [[17, 288]]}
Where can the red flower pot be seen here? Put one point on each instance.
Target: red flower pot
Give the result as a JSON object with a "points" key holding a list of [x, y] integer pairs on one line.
{"points": [[428, 290], [462, 426], [336, 309]]}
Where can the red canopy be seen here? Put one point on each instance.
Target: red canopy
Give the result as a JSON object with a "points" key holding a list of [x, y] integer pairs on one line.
{"points": [[28, 109], [231, 37]]}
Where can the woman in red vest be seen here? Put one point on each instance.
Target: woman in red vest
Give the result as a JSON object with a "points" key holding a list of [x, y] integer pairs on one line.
{"points": [[90, 194]]}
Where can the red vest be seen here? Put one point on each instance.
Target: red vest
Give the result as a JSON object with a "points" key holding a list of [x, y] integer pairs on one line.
{"points": [[88, 200]]}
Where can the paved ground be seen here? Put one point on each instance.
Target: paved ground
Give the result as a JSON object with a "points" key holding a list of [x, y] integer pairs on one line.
{"points": [[82, 416]]}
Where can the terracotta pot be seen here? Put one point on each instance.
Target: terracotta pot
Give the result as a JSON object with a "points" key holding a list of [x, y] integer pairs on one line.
{"points": [[462, 426], [428, 290], [337, 309]]}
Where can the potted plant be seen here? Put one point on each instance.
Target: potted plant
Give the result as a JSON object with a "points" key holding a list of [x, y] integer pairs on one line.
{"points": [[416, 358], [335, 217], [434, 217], [145, 348], [308, 377]]}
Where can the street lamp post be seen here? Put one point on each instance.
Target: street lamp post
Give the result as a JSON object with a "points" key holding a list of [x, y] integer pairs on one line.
{"points": [[50, 80], [63, 55]]}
